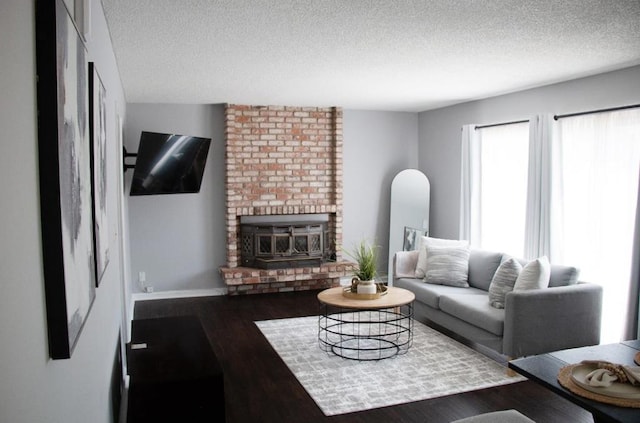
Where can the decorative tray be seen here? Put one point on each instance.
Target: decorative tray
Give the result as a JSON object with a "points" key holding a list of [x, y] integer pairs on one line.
{"points": [[617, 390], [382, 290]]}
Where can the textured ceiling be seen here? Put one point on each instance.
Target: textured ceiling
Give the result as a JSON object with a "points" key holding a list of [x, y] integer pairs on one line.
{"points": [[363, 54]]}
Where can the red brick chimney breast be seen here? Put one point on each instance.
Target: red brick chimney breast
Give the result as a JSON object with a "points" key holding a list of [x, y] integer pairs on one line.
{"points": [[282, 160]]}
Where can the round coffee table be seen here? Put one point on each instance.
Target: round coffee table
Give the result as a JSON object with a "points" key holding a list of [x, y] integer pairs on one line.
{"points": [[366, 330]]}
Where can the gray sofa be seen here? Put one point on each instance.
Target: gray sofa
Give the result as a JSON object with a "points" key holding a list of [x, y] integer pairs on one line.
{"points": [[564, 315]]}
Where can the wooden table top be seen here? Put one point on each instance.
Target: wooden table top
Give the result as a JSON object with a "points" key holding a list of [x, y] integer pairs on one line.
{"points": [[544, 369], [395, 297]]}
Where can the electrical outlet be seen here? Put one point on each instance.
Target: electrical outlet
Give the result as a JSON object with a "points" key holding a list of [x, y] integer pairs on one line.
{"points": [[142, 281]]}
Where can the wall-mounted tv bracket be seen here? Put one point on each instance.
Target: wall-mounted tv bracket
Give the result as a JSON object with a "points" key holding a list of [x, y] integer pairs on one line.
{"points": [[125, 155]]}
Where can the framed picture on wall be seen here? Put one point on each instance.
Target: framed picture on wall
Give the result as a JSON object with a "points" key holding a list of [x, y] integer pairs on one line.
{"points": [[65, 176], [411, 238], [98, 135], [80, 13]]}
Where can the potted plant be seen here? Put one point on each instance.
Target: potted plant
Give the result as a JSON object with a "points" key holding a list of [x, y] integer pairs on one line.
{"points": [[366, 257]]}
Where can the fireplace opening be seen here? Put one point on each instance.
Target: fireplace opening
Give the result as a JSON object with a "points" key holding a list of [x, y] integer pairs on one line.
{"points": [[284, 244]]}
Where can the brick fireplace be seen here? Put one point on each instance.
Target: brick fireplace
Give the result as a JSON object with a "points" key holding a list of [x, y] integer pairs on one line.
{"points": [[283, 160]]}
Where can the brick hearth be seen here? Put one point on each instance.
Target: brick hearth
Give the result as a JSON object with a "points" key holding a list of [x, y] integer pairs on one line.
{"points": [[244, 280], [283, 160]]}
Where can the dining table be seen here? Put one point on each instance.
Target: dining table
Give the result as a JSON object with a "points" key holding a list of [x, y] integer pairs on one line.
{"points": [[545, 368]]}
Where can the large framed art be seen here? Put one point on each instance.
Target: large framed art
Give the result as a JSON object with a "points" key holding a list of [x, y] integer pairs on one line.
{"points": [[98, 135], [65, 176]]}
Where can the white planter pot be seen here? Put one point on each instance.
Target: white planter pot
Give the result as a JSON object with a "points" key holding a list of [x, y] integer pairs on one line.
{"points": [[366, 287]]}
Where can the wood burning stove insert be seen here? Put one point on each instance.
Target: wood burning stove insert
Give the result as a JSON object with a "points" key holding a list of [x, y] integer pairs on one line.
{"points": [[279, 245]]}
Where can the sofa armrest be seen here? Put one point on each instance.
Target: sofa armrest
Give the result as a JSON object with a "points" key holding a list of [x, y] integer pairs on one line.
{"points": [[544, 320]]}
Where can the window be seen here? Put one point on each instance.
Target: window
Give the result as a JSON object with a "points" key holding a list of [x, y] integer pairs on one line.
{"points": [[504, 155], [600, 169], [578, 209]]}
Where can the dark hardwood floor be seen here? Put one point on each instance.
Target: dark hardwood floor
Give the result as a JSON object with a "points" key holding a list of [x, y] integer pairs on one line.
{"points": [[260, 388]]}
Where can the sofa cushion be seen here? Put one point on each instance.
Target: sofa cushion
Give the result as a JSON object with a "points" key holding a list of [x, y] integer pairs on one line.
{"points": [[425, 241], [475, 310], [447, 266], [534, 275], [560, 275], [503, 281], [563, 275], [482, 266], [430, 294]]}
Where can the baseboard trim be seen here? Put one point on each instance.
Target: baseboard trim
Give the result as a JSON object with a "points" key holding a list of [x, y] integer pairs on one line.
{"points": [[187, 293]]}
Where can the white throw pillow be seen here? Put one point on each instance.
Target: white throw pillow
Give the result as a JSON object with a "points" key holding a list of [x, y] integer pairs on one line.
{"points": [[448, 266], [534, 275], [425, 241], [503, 281]]}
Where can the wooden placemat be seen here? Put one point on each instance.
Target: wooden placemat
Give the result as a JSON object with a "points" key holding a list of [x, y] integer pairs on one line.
{"points": [[564, 378]]}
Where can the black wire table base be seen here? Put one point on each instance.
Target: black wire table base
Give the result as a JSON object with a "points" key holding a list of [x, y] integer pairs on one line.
{"points": [[366, 335]]}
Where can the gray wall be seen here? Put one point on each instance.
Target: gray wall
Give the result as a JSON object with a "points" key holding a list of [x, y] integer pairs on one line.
{"points": [[440, 129], [377, 145], [34, 388], [179, 239]]}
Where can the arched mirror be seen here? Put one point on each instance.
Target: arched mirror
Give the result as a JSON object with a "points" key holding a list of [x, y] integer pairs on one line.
{"points": [[409, 216]]}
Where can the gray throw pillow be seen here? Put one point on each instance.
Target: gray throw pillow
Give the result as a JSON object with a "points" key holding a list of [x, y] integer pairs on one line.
{"points": [[563, 275], [503, 282], [448, 266]]}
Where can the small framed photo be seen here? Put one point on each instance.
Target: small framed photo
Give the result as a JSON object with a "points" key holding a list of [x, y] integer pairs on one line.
{"points": [[411, 238]]}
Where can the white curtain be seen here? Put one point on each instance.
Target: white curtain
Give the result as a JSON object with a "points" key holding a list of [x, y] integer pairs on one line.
{"points": [[632, 326], [582, 194], [470, 186], [544, 210], [494, 188], [600, 167]]}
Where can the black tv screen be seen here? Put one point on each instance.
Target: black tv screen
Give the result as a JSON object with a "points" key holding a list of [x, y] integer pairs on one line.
{"points": [[169, 164]]}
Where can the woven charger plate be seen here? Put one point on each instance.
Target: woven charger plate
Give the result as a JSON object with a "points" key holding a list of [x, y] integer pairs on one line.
{"points": [[636, 358], [564, 378]]}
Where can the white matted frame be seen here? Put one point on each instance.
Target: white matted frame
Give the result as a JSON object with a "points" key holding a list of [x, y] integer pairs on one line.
{"points": [[65, 176]]}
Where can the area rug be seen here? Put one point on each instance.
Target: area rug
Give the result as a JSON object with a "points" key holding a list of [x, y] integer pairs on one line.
{"points": [[434, 366]]}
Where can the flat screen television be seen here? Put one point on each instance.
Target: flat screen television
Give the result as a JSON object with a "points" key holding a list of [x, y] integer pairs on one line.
{"points": [[169, 164]]}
